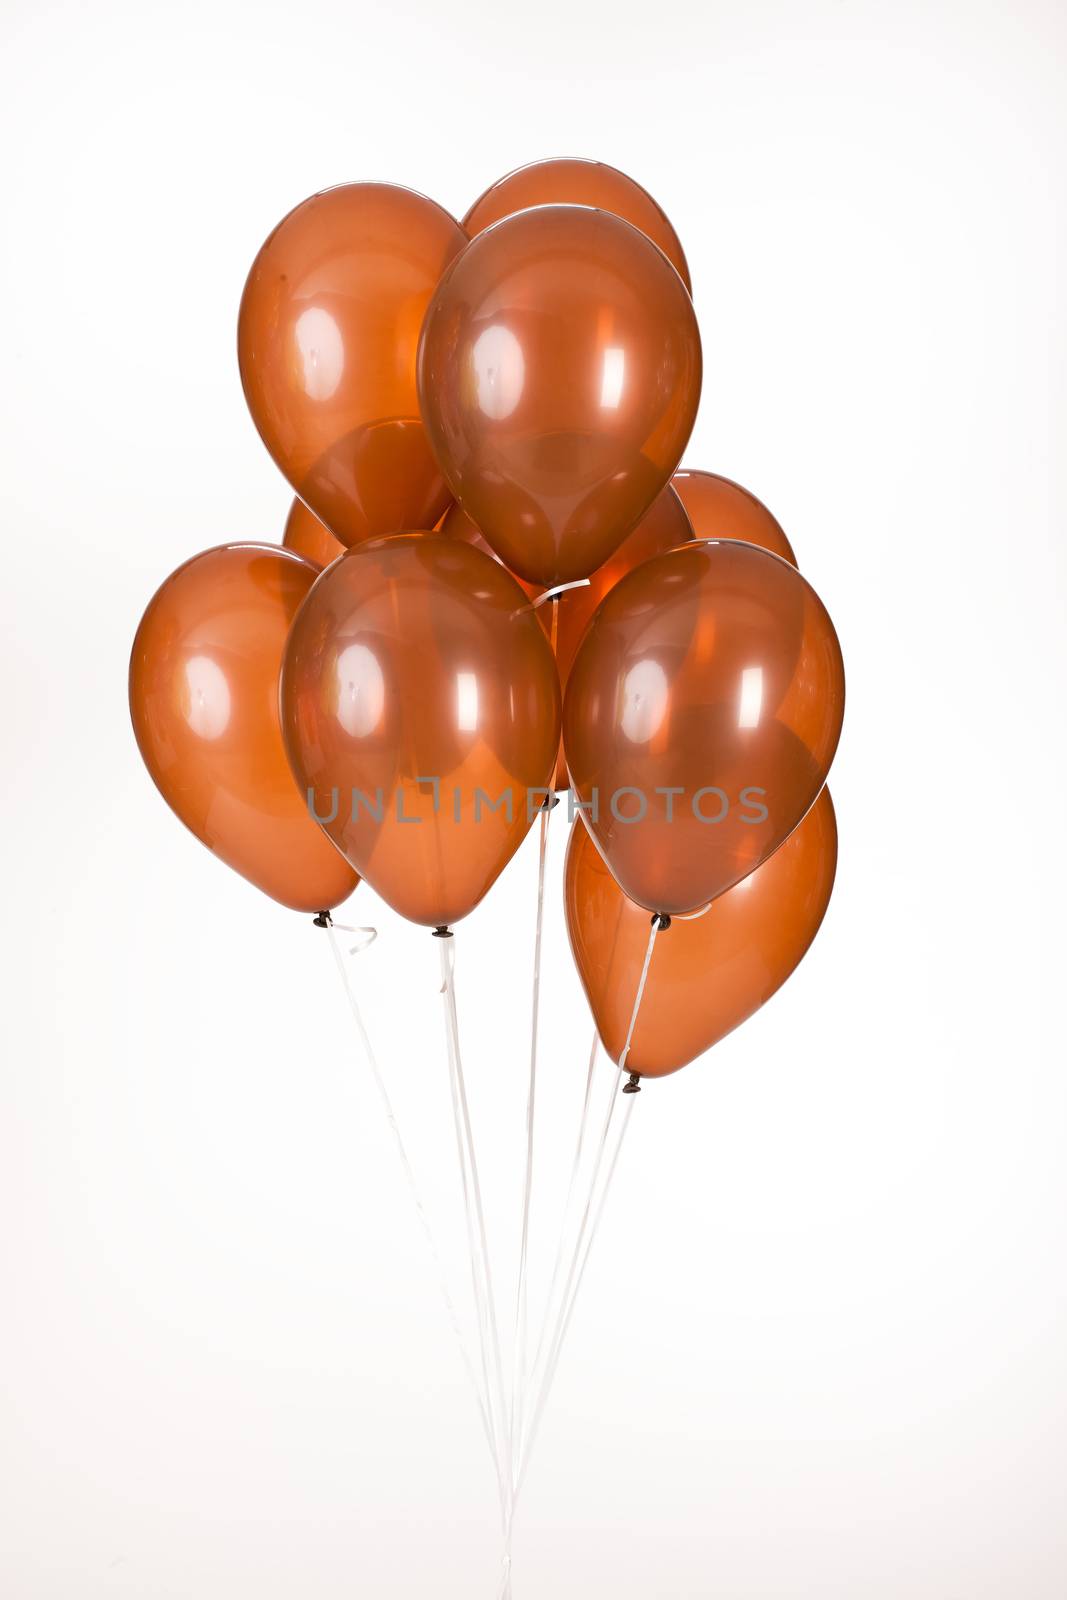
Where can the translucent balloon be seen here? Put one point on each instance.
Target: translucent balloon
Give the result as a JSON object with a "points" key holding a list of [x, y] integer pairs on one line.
{"points": [[663, 526], [309, 537], [708, 974], [559, 375], [327, 339], [718, 508], [421, 712], [582, 183], [702, 714], [204, 702]]}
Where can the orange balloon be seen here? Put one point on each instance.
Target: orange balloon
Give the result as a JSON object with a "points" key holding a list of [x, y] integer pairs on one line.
{"points": [[327, 338], [421, 715], [559, 375], [204, 702], [456, 524], [706, 975], [309, 537], [720, 509], [580, 183], [662, 527], [701, 717]]}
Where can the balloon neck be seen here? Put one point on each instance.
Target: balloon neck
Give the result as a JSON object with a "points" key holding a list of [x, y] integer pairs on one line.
{"points": [[660, 921], [634, 1084], [442, 932], [323, 920]]}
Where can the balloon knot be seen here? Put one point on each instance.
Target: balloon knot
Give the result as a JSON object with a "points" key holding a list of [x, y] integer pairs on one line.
{"points": [[634, 1085], [443, 932], [323, 920], [660, 921]]}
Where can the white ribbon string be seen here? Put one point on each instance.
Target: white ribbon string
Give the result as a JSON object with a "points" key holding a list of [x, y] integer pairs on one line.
{"points": [[582, 1248], [504, 1424], [472, 1253], [518, 1370], [367, 936], [579, 1150], [560, 588], [519, 1347], [550, 1372], [477, 1238], [640, 994], [550, 594], [405, 1160]]}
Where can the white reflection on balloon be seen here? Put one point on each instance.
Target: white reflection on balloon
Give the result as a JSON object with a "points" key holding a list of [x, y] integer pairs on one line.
{"points": [[748, 714], [499, 371], [612, 375], [645, 693], [322, 351], [466, 702], [360, 691], [207, 708]]}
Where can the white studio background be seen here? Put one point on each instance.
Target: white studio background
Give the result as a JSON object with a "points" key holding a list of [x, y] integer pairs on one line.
{"points": [[820, 1349]]}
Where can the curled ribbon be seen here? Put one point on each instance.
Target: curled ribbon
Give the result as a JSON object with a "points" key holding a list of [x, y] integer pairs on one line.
{"points": [[561, 588], [364, 943], [552, 594], [694, 916]]}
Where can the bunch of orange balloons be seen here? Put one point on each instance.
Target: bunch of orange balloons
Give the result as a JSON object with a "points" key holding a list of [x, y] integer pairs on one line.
{"points": [[496, 582]]}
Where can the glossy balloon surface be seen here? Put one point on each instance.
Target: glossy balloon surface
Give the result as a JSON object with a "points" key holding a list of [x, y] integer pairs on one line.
{"points": [[718, 508], [204, 702], [309, 537], [327, 340], [458, 524], [701, 717], [559, 375], [663, 526], [420, 704], [706, 975], [581, 183]]}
